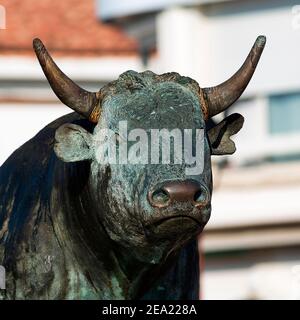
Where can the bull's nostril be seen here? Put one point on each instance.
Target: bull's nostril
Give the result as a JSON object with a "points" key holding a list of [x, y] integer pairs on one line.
{"points": [[160, 197], [200, 196]]}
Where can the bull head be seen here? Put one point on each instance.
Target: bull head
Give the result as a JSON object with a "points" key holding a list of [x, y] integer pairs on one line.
{"points": [[154, 209]]}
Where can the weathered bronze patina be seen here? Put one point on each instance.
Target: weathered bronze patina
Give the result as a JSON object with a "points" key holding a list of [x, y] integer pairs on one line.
{"points": [[74, 228]]}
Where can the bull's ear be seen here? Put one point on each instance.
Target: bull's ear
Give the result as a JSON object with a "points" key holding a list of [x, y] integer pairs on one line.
{"points": [[72, 143], [219, 136]]}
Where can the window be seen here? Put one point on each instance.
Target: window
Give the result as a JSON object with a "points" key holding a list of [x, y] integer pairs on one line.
{"points": [[284, 113]]}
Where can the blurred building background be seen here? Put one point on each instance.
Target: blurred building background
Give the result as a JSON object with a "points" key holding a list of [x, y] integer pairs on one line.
{"points": [[251, 246]]}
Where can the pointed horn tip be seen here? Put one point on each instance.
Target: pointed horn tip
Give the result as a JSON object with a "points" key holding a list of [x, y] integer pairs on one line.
{"points": [[37, 44], [261, 41]]}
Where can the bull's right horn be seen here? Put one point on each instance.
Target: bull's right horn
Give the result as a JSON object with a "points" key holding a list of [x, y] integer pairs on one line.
{"points": [[86, 103]]}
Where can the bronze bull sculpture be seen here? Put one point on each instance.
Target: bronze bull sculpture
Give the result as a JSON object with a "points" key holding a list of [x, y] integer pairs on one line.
{"points": [[72, 227]]}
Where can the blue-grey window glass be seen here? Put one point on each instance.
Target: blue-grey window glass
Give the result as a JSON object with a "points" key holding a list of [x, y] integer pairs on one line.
{"points": [[284, 113]]}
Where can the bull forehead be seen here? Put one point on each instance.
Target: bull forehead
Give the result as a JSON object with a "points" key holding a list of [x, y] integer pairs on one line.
{"points": [[147, 101]]}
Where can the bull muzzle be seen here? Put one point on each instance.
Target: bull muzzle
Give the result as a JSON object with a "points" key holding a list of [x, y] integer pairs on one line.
{"points": [[171, 192]]}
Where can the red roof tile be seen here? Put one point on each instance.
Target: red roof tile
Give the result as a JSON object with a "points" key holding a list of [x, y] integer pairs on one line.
{"points": [[69, 27]]}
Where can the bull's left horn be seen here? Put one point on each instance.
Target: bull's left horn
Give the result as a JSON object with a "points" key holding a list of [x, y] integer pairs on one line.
{"points": [[221, 97], [84, 102]]}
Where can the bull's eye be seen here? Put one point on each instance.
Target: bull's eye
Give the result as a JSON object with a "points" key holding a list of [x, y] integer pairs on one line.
{"points": [[160, 197]]}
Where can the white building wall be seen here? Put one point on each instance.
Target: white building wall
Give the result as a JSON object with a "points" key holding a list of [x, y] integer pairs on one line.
{"points": [[232, 32], [182, 35], [263, 281], [211, 43], [20, 122]]}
